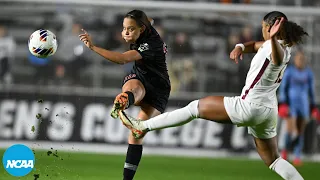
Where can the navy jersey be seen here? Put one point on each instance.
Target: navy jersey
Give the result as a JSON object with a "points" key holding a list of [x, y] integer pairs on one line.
{"points": [[153, 51]]}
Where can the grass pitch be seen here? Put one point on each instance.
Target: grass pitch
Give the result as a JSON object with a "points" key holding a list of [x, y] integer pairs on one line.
{"points": [[82, 166]]}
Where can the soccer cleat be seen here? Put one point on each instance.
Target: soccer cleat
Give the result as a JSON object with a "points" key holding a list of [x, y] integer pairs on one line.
{"points": [[284, 154], [135, 125], [297, 162], [121, 102]]}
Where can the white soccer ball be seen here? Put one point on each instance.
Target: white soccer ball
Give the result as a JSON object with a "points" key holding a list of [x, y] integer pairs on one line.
{"points": [[42, 43]]}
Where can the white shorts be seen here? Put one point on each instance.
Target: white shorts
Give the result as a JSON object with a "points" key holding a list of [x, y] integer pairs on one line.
{"points": [[260, 120]]}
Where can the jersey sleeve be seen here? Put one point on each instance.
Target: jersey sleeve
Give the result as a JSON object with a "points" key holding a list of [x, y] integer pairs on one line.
{"points": [[311, 87], [146, 50], [283, 90]]}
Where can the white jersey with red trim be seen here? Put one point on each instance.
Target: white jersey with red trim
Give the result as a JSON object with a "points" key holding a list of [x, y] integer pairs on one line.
{"points": [[263, 78]]}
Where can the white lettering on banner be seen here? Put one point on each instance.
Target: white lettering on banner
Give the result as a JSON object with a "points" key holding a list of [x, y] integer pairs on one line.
{"points": [[92, 126], [211, 140], [191, 134], [6, 109], [238, 140], [45, 109], [152, 138], [92, 114], [25, 119], [169, 136], [19, 164], [62, 125]]}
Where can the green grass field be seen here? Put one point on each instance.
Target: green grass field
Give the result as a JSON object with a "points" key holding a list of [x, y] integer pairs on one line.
{"points": [[81, 166]]}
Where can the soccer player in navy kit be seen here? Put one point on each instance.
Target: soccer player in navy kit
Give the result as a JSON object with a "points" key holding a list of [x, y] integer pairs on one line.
{"points": [[297, 96], [147, 85]]}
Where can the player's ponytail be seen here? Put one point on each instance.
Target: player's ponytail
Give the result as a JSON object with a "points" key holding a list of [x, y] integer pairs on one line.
{"points": [[140, 17], [291, 33]]}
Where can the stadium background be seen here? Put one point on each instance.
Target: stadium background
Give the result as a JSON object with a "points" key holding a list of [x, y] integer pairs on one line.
{"points": [[77, 86]]}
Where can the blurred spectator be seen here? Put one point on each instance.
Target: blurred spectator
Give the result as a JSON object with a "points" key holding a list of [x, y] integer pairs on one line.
{"points": [[181, 45], [246, 34], [233, 39], [7, 48], [186, 75], [71, 55]]}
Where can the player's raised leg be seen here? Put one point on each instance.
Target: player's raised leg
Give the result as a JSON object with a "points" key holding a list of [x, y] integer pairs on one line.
{"points": [[268, 151], [210, 108]]}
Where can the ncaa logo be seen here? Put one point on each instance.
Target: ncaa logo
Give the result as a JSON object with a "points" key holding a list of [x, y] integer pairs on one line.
{"points": [[18, 160]]}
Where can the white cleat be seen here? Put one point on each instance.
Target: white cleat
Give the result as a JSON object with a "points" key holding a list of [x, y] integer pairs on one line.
{"points": [[135, 125]]}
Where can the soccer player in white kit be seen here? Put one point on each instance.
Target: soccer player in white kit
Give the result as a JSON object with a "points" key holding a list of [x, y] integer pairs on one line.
{"points": [[257, 107]]}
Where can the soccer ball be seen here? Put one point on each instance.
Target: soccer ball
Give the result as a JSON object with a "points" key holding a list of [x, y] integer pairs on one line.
{"points": [[42, 43]]}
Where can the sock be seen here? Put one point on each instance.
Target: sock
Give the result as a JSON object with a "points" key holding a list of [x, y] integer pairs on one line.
{"points": [[285, 170], [174, 118], [298, 147], [287, 140], [130, 98], [134, 154]]}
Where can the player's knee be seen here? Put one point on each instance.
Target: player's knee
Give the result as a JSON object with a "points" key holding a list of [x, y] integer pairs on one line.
{"points": [[269, 161], [193, 108]]}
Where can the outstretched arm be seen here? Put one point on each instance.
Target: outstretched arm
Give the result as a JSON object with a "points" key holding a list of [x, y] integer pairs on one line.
{"points": [[277, 53], [252, 46], [116, 57], [248, 47]]}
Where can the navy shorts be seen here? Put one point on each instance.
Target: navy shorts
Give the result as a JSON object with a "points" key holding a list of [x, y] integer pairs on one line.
{"points": [[157, 89]]}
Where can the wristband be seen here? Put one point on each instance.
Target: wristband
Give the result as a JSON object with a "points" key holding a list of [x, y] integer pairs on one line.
{"points": [[241, 45]]}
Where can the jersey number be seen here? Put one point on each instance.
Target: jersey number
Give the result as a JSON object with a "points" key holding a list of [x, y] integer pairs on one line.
{"points": [[281, 74]]}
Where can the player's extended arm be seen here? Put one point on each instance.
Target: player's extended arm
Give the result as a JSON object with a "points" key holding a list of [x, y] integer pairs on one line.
{"points": [[116, 57], [252, 46], [277, 53], [248, 47]]}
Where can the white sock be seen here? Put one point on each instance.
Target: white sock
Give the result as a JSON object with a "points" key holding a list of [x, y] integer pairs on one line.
{"points": [[174, 118], [285, 170]]}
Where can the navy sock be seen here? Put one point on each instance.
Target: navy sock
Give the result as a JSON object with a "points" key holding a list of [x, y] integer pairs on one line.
{"points": [[134, 154], [130, 98]]}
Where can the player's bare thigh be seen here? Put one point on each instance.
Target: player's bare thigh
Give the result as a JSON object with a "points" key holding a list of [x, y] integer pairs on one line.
{"points": [[267, 149], [136, 87], [146, 112], [212, 108]]}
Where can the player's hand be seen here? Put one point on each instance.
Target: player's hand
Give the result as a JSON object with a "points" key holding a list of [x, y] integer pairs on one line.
{"points": [[86, 39], [275, 29], [235, 54], [283, 110]]}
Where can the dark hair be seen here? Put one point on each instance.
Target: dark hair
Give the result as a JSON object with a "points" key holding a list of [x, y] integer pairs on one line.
{"points": [[291, 32], [140, 17]]}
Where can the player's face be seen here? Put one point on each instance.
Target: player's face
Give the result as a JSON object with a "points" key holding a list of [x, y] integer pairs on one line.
{"points": [[131, 31], [299, 60], [265, 29]]}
